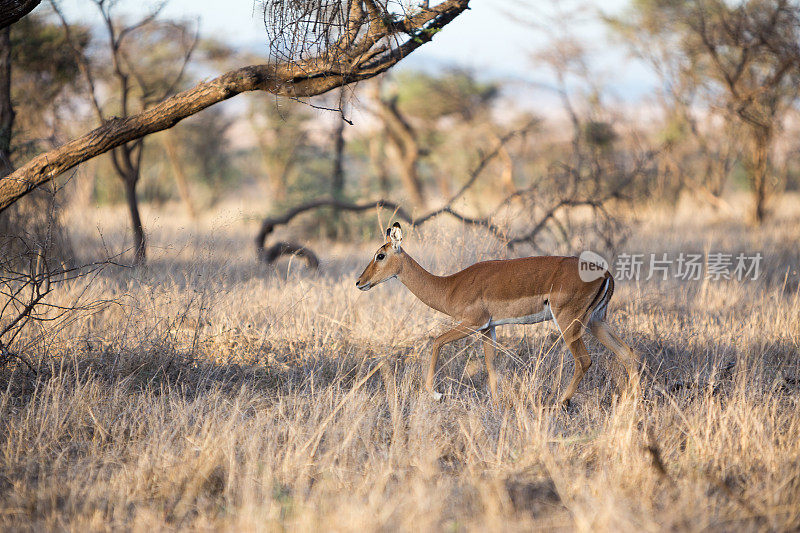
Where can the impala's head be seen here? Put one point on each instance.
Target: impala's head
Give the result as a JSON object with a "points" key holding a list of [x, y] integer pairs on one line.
{"points": [[385, 263]]}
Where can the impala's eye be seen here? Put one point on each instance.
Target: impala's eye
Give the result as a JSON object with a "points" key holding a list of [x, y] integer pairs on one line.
{"points": [[381, 256]]}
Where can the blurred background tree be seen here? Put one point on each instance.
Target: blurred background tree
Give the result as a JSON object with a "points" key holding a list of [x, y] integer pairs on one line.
{"points": [[742, 59], [432, 127], [140, 64], [39, 81], [281, 128]]}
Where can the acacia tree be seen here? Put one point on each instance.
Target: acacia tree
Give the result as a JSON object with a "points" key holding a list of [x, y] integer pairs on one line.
{"points": [[742, 58], [410, 109], [364, 40]]}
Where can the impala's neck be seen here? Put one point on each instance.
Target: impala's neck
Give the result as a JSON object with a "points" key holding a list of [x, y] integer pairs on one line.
{"points": [[430, 289]]}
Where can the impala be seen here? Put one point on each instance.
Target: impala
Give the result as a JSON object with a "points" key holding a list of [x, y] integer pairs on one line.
{"points": [[513, 291]]}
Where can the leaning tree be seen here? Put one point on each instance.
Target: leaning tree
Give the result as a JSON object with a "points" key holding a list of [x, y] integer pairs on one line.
{"points": [[316, 46]]}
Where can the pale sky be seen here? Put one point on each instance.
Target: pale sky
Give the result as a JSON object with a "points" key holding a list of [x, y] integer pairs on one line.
{"points": [[495, 37]]}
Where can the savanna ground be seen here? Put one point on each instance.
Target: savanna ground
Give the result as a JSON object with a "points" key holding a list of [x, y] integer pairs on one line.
{"points": [[210, 392]]}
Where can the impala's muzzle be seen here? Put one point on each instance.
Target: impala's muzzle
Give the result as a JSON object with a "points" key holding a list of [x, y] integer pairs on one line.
{"points": [[363, 286]]}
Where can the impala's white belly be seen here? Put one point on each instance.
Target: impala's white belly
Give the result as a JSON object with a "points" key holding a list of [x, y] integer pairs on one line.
{"points": [[541, 316]]}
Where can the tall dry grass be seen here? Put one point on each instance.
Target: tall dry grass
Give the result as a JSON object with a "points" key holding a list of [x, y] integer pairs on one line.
{"points": [[211, 394]]}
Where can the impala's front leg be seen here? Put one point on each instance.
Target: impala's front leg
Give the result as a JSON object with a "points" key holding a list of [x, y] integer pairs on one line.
{"points": [[458, 332]]}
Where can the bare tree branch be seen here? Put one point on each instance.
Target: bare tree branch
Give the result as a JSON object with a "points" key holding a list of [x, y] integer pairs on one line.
{"points": [[281, 79], [277, 250], [13, 10]]}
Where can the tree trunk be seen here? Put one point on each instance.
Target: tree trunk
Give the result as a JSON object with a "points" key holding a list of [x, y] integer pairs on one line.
{"points": [[507, 178], [337, 183], [409, 175], [276, 173], [139, 244], [404, 140], [30, 224], [377, 147], [6, 107], [276, 168], [445, 181], [759, 169]]}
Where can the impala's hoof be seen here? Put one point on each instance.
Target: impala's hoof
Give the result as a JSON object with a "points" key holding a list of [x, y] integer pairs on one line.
{"points": [[436, 396]]}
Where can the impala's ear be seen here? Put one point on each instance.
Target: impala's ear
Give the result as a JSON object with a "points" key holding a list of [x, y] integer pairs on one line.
{"points": [[395, 235]]}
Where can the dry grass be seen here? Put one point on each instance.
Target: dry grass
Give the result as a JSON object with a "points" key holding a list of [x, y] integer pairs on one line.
{"points": [[214, 395]]}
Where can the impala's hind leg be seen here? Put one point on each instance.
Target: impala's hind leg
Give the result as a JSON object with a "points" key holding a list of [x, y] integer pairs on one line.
{"points": [[572, 331], [582, 364], [611, 340]]}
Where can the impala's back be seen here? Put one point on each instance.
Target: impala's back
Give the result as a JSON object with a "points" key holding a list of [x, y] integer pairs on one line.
{"points": [[526, 288]]}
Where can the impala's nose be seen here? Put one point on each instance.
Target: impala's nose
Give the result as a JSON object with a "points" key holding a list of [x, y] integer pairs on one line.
{"points": [[356, 283]]}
